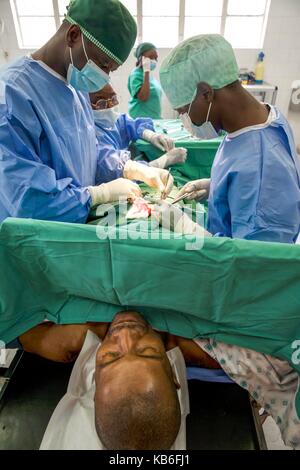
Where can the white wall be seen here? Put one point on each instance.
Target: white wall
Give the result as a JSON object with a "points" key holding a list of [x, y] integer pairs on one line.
{"points": [[282, 49]]}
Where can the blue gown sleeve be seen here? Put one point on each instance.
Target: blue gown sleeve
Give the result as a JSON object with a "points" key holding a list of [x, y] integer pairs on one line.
{"points": [[29, 188], [132, 129], [112, 146], [111, 163]]}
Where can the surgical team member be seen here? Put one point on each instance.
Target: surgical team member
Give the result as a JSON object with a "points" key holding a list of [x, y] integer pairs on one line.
{"points": [[115, 132], [254, 191], [48, 155], [145, 91]]}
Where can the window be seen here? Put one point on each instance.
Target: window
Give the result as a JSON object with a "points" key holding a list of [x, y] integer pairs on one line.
{"points": [[167, 22], [34, 21], [202, 17], [163, 22], [245, 23]]}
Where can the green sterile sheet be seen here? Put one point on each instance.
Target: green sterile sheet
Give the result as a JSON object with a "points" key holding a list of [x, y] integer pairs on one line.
{"points": [[235, 291], [201, 154]]}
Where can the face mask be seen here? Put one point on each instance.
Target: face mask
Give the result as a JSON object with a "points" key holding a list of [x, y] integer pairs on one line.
{"points": [[107, 117], [90, 79], [204, 132], [153, 65]]}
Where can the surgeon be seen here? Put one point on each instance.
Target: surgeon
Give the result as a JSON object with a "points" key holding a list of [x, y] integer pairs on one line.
{"points": [[115, 132], [48, 153], [145, 91], [254, 190]]}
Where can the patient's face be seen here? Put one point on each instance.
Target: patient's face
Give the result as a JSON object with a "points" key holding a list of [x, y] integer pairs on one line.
{"points": [[132, 355]]}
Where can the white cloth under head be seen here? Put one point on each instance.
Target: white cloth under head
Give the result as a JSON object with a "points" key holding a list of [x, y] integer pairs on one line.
{"points": [[72, 426]]}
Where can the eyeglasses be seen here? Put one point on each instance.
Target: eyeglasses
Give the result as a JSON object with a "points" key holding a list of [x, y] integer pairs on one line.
{"points": [[110, 103]]}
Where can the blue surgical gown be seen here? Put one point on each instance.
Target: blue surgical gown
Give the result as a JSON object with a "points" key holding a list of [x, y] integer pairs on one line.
{"points": [[113, 145], [48, 151], [255, 185]]}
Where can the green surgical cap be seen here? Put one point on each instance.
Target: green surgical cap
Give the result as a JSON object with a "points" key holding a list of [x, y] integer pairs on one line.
{"points": [[107, 24], [206, 58], [144, 47]]}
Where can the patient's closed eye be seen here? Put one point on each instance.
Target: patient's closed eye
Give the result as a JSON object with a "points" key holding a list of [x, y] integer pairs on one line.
{"points": [[109, 356], [149, 351]]}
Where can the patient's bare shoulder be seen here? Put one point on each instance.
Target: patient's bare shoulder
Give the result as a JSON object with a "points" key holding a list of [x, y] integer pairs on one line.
{"points": [[59, 343], [192, 353]]}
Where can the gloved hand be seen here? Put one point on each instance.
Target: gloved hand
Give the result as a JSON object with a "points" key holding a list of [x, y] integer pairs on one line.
{"points": [[146, 63], [114, 191], [153, 177], [161, 141], [174, 219], [173, 157], [198, 190]]}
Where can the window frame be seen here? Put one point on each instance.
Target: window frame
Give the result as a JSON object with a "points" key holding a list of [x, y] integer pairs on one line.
{"points": [[224, 16], [18, 28], [139, 18], [265, 17]]}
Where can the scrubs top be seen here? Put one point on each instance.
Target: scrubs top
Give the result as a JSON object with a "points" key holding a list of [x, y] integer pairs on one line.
{"points": [[255, 184], [150, 108], [113, 145], [48, 145]]}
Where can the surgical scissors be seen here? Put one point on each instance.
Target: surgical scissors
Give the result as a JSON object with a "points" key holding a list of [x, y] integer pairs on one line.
{"points": [[180, 198]]}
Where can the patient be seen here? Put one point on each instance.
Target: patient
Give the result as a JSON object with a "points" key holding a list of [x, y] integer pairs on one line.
{"points": [[136, 403]]}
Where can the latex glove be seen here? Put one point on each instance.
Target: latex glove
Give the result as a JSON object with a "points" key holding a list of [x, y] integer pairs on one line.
{"points": [[174, 219], [153, 177], [114, 191], [174, 157], [198, 190], [146, 63], [160, 141]]}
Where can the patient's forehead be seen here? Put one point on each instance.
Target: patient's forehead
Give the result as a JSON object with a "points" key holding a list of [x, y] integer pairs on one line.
{"points": [[151, 377]]}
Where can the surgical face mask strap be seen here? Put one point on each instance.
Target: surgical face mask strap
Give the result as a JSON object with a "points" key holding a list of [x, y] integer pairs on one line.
{"points": [[204, 132], [208, 113], [83, 45], [71, 56]]}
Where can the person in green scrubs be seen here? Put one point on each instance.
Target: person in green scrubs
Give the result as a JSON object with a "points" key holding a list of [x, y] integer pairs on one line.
{"points": [[145, 91]]}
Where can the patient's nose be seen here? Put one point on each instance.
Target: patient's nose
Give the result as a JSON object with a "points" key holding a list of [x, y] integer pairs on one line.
{"points": [[127, 337]]}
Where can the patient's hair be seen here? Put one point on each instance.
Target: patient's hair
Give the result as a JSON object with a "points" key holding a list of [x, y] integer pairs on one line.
{"points": [[144, 421]]}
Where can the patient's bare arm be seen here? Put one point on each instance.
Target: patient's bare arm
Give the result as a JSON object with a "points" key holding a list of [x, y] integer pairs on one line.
{"points": [[192, 353], [63, 343], [59, 343]]}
